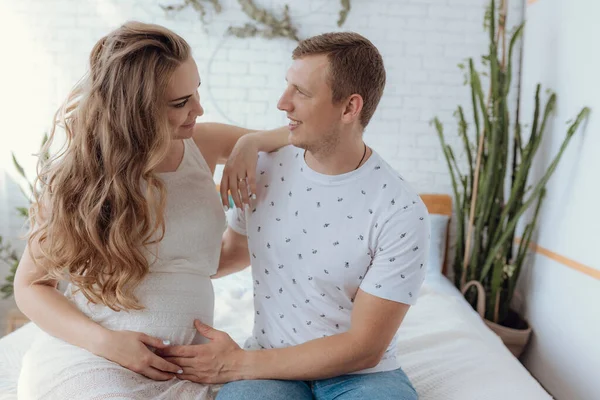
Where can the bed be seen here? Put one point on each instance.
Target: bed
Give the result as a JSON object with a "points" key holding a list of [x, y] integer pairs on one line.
{"points": [[443, 345]]}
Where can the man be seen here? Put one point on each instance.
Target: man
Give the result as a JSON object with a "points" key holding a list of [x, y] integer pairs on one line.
{"points": [[337, 242]]}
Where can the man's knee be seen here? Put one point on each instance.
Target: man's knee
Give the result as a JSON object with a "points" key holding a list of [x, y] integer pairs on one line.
{"points": [[389, 385], [264, 389], [375, 393]]}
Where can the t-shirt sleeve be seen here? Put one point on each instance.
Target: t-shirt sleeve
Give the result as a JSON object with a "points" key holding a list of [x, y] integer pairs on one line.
{"points": [[400, 256], [236, 218]]}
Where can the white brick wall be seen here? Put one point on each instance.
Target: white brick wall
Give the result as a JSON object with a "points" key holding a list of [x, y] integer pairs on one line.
{"points": [[421, 41]]}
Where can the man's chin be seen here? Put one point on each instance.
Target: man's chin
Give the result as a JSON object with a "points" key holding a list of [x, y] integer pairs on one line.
{"points": [[294, 141]]}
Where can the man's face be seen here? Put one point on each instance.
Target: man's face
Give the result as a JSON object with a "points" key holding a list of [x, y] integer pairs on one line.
{"points": [[307, 100]]}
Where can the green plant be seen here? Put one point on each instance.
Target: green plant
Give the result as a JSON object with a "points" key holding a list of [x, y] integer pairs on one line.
{"points": [[264, 23], [343, 12], [198, 5], [8, 254], [487, 214]]}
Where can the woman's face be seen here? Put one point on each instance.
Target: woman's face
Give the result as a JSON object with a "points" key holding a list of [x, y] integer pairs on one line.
{"points": [[183, 100]]}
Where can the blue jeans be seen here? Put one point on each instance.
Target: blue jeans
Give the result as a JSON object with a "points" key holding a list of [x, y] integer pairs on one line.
{"points": [[389, 385]]}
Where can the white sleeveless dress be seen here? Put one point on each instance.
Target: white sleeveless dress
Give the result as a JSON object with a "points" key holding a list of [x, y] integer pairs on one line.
{"points": [[176, 291]]}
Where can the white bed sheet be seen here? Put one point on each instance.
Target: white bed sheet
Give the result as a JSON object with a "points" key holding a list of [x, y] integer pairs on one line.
{"points": [[444, 347], [449, 353]]}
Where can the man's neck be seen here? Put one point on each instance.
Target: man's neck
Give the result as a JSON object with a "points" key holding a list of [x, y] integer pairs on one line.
{"points": [[341, 159]]}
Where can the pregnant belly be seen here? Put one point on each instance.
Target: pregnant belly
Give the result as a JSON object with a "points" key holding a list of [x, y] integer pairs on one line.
{"points": [[172, 301]]}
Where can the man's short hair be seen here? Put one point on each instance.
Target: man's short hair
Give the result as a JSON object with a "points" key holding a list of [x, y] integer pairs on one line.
{"points": [[355, 67]]}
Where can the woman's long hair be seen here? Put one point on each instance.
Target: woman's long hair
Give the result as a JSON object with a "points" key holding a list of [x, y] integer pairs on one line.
{"points": [[101, 203]]}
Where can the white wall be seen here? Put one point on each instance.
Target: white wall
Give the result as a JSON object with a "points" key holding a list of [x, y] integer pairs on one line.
{"points": [[560, 51], [422, 41]]}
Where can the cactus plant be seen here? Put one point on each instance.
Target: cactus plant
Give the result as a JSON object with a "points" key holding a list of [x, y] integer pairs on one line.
{"points": [[487, 214]]}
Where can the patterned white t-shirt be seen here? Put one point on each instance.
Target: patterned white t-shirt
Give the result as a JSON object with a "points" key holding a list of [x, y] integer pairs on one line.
{"points": [[315, 239]]}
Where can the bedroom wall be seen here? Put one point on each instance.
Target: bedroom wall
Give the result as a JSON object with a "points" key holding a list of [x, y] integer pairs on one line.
{"points": [[561, 288], [422, 41]]}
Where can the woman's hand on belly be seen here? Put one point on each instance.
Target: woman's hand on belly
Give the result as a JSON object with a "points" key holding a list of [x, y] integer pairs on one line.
{"points": [[134, 351]]}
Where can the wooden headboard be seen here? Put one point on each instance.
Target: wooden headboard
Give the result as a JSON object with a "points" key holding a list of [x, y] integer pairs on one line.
{"points": [[440, 204]]}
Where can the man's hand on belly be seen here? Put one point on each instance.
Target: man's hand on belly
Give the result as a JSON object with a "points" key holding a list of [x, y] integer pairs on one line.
{"points": [[214, 362]]}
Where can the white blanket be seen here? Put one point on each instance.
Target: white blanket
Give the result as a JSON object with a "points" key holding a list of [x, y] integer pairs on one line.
{"points": [[444, 348], [449, 353]]}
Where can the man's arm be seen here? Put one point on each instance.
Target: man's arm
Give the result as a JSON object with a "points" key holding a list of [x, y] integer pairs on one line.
{"points": [[374, 324], [396, 276], [234, 254]]}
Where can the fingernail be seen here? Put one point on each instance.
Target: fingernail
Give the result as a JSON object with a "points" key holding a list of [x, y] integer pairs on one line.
{"points": [[253, 196], [226, 208], [166, 342], [180, 371]]}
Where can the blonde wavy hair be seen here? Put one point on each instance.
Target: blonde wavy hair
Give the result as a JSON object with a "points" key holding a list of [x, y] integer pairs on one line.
{"points": [[102, 204]]}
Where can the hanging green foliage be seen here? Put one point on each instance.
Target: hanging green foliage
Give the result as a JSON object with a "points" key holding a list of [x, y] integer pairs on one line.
{"points": [[198, 5], [344, 12], [266, 24]]}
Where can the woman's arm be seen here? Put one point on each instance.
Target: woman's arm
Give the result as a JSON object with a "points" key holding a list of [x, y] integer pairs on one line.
{"points": [[239, 148], [271, 140], [216, 141], [234, 254], [48, 308]]}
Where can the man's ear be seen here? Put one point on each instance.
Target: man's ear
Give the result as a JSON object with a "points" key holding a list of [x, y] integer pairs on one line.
{"points": [[354, 105]]}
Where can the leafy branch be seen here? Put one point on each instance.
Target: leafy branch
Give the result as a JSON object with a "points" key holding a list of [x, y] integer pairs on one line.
{"points": [[8, 254], [198, 5], [265, 24]]}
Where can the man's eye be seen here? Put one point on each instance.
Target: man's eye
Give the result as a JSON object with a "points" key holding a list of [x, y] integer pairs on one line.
{"points": [[180, 105]]}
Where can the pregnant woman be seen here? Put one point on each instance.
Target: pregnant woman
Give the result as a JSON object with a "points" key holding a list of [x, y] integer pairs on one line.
{"points": [[128, 214]]}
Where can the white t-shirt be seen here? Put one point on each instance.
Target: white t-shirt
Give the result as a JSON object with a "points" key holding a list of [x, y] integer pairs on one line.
{"points": [[315, 239]]}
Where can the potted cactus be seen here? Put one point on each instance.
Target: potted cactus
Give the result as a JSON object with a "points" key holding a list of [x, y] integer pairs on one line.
{"points": [[492, 193]]}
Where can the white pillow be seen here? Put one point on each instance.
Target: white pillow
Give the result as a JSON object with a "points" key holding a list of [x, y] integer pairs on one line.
{"points": [[437, 245]]}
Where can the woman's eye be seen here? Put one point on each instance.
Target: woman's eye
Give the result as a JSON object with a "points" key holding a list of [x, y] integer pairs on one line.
{"points": [[180, 105]]}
